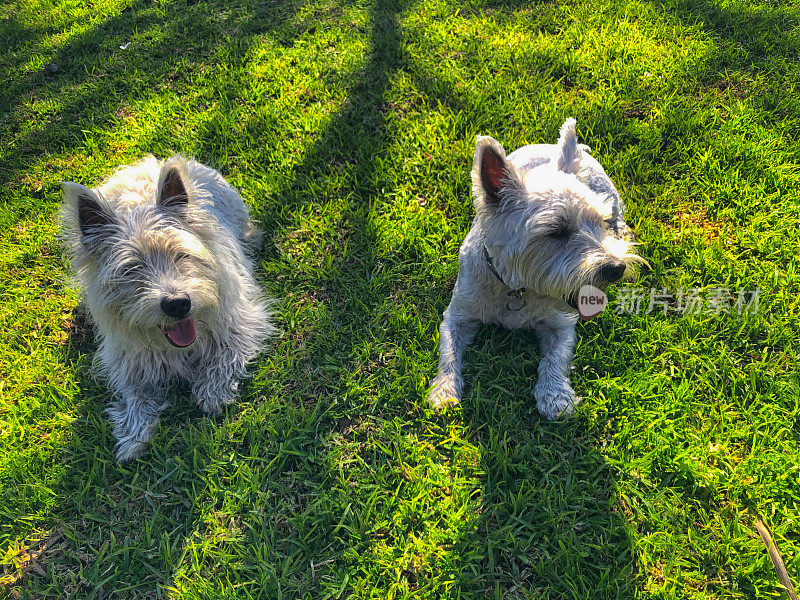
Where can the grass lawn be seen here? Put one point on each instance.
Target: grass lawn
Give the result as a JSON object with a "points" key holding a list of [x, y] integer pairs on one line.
{"points": [[349, 128]]}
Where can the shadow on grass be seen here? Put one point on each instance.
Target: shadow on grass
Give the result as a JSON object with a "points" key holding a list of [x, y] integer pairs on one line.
{"points": [[546, 524], [755, 54], [758, 29]]}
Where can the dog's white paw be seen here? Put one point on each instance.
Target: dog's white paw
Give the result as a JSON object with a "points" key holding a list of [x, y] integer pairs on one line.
{"points": [[128, 449], [210, 398], [555, 401], [442, 394], [134, 420], [212, 406]]}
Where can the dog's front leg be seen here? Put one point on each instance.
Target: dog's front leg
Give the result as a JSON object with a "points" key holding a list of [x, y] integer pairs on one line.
{"points": [[216, 379], [554, 395], [455, 334], [221, 363], [134, 416]]}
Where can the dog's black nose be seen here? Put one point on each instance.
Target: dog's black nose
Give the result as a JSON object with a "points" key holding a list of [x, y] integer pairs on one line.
{"points": [[176, 306], [613, 271]]}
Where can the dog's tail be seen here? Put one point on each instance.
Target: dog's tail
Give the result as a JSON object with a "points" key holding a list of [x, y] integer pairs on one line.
{"points": [[569, 149]]}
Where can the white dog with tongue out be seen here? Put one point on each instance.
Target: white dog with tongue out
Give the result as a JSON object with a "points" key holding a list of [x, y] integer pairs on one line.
{"points": [[163, 252]]}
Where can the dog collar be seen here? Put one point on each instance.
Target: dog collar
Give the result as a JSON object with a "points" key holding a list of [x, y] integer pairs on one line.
{"points": [[516, 300]]}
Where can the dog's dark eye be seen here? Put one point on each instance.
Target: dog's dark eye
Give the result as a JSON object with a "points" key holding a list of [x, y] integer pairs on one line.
{"points": [[610, 221], [562, 232]]}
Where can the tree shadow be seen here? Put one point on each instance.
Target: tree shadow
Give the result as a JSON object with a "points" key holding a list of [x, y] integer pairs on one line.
{"points": [[547, 522], [758, 30], [752, 59]]}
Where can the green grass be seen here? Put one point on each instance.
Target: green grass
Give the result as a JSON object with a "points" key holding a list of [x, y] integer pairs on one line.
{"points": [[349, 128]]}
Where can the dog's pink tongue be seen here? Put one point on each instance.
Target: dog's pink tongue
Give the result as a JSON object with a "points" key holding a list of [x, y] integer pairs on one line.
{"points": [[182, 333]]}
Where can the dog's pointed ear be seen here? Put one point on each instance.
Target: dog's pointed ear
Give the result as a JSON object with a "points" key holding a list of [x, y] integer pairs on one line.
{"points": [[88, 213], [569, 150], [172, 192], [492, 174]]}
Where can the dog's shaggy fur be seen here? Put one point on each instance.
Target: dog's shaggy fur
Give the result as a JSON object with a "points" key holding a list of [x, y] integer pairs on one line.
{"points": [[548, 221], [162, 252]]}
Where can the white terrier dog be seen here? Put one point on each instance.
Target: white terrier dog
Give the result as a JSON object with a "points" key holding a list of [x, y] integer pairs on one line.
{"points": [[548, 221], [162, 253]]}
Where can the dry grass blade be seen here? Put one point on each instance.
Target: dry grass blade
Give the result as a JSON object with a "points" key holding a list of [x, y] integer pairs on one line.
{"points": [[775, 557]]}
